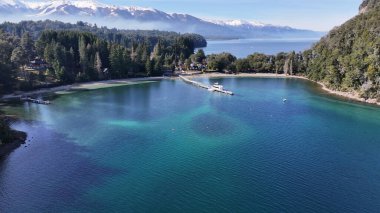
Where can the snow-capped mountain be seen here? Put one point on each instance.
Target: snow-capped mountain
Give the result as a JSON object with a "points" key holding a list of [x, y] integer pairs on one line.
{"points": [[93, 11], [237, 23]]}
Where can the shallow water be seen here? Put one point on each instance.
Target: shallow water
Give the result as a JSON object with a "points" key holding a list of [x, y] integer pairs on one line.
{"points": [[170, 147]]}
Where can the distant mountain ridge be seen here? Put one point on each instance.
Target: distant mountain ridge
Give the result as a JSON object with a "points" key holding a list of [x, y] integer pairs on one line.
{"points": [[128, 17]]}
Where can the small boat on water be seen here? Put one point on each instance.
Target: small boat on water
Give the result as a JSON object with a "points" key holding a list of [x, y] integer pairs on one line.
{"points": [[284, 100], [216, 87]]}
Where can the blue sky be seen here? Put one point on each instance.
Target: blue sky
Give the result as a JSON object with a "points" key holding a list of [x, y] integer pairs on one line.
{"points": [[309, 14]]}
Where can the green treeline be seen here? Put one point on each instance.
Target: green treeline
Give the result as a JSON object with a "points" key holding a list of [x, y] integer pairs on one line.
{"points": [[75, 56], [126, 38], [288, 63], [348, 58]]}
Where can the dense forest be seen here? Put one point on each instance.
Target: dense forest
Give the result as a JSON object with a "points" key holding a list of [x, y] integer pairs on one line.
{"points": [[126, 38], [348, 58], [67, 56], [289, 63]]}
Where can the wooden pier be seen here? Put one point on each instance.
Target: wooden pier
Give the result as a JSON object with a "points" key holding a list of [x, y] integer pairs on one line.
{"points": [[204, 86], [36, 101]]}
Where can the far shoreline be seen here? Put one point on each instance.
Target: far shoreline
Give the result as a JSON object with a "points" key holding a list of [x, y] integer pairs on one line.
{"points": [[130, 81], [349, 95]]}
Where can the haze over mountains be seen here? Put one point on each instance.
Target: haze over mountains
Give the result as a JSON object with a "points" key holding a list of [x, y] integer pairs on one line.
{"points": [[143, 18]]}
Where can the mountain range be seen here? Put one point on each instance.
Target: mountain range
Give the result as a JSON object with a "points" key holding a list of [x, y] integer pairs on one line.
{"points": [[124, 17]]}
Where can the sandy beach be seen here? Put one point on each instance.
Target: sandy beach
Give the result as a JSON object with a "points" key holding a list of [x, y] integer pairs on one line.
{"points": [[81, 86]]}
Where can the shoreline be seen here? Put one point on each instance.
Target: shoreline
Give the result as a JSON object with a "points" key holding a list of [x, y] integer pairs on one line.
{"points": [[93, 85], [19, 138], [130, 81], [349, 95]]}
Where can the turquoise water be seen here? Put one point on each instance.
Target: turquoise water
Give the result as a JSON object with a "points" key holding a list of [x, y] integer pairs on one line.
{"points": [[170, 147], [243, 47]]}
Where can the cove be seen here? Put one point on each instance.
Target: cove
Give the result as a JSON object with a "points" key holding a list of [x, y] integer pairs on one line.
{"points": [[166, 146]]}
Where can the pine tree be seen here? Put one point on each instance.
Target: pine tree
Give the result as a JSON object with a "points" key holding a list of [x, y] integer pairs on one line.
{"points": [[98, 66], [148, 67], [19, 58], [158, 68], [27, 44], [83, 58], [157, 50]]}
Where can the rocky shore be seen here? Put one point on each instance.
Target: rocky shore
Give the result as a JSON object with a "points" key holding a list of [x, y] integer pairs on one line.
{"points": [[15, 140]]}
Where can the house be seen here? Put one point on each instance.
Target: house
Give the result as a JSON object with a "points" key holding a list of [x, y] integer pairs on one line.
{"points": [[38, 64]]}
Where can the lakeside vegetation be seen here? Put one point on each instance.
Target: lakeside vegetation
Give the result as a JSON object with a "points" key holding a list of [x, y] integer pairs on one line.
{"points": [[8, 135], [81, 53]]}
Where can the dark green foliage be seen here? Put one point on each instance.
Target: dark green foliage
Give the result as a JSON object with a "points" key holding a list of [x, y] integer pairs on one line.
{"points": [[220, 62], [198, 57], [81, 56], [368, 5], [86, 53], [5, 131], [242, 65], [290, 63], [7, 69], [261, 63], [123, 37], [348, 57]]}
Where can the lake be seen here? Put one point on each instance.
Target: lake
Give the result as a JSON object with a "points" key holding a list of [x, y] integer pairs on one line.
{"points": [[167, 146], [243, 47]]}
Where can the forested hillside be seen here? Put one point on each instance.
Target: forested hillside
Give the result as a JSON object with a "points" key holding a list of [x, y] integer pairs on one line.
{"points": [[368, 5], [74, 56], [348, 58], [124, 37]]}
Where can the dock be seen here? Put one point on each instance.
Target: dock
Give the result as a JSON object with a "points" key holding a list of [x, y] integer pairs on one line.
{"points": [[204, 86], [36, 101]]}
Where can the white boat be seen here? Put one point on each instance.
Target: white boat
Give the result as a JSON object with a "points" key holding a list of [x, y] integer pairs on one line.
{"points": [[217, 86]]}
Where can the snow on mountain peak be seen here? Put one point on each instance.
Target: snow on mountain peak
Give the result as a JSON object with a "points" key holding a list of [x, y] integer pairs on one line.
{"points": [[92, 4], [88, 4], [237, 23], [11, 3], [82, 4], [135, 8]]}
